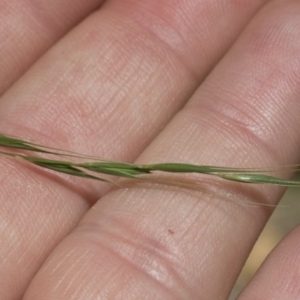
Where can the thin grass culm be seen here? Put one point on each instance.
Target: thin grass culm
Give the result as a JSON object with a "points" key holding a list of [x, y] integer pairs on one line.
{"points": [[91, 167]]}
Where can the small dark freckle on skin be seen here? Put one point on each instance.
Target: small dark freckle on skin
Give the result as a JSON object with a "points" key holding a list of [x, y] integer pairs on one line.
{"points": [[170, 231]]}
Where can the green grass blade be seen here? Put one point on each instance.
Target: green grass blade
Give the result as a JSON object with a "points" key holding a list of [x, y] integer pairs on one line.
{"points": [[260, 178], [114, 168], [60, 166], [16, 143]]}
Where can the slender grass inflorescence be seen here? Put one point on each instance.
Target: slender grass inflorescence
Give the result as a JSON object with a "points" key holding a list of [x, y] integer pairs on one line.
{"points": [[95, 166]]}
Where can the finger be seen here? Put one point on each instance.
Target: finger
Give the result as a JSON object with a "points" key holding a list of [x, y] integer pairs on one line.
{"points": [[166, 244], [107, 89], [29, 28], [278, 277], [96, 100]]}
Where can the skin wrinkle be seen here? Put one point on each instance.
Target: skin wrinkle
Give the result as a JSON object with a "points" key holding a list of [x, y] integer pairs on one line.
{"points": [[40, 19], [137, 36], [229, 126], [165, 61], [149, 16], [40, 15], [274, 26], [248, 111], [140, 267], [130, 79], [277, 84], [213, 124], [239, 119], [33, 32], [109, 222], [107, 292], [157, 34], [103, 247], [157, 247]]}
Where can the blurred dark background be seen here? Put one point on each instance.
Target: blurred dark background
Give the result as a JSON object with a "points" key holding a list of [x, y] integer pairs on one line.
{"points": [[285, 217]]}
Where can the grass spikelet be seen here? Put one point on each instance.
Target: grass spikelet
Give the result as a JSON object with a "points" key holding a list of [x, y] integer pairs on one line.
{"points": [[94, 166]]}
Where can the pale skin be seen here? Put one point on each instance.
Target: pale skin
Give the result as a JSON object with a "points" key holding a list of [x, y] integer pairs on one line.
{"points": [[132, 81]]}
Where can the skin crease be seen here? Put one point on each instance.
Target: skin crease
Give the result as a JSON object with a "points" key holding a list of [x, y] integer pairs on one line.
{"points": [[207, 82], [28, 28]]}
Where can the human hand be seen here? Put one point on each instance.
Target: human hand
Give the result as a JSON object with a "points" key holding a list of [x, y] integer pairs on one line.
{"points": [[126, 83]]}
